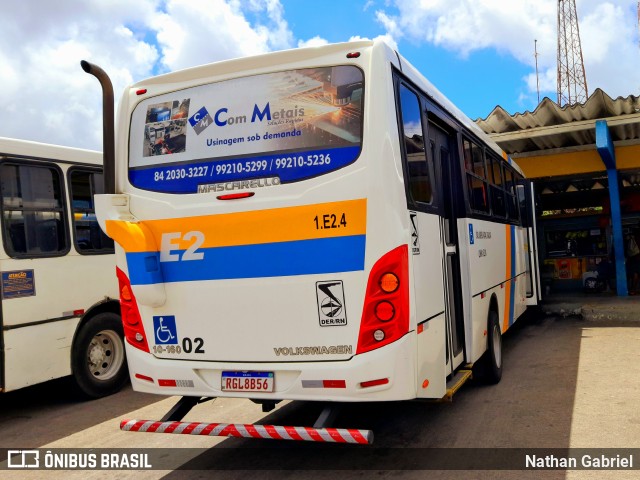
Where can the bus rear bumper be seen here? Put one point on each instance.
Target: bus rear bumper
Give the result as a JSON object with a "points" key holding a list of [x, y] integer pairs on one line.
{"points": [[385, 374], [268, 432]]}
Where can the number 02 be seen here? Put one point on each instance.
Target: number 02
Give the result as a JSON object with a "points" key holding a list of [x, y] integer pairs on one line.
{"points": [[187, 345]]}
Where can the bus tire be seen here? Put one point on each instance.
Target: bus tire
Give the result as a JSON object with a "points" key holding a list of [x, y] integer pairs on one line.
{"points": [[98, 359], [489, 368]]}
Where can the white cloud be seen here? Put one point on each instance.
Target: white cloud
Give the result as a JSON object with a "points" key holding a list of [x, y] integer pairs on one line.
{"points": [[608, 32], [193, 33], [316, 41], [611, 53], [45, 95], [387, 38], [469, 25]]}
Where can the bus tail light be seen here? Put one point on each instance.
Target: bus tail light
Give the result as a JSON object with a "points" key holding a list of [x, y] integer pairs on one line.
{"points": [[385, 315], [389, 282], [374, 383], [131, 320], [385, 311], [146, 378], [236, 196]]}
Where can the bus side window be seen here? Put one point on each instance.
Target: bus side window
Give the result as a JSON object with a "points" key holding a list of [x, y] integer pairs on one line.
{"points": [[477, 185], [522, 202], [89, 238], [419, 176], [497, 192], [510, 194], [33, 215]]}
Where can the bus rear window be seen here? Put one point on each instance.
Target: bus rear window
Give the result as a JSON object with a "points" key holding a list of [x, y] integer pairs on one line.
{"points": [[249, 132]]}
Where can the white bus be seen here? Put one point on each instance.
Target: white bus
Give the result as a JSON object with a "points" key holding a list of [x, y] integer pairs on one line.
{"points": [[60, 312], [316, 224]]}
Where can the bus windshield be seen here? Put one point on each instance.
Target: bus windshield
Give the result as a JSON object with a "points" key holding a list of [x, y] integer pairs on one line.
{"points": [[276, 128]]}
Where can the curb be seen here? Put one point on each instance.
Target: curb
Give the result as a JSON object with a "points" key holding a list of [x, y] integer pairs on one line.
{"points": [[618, 312]]}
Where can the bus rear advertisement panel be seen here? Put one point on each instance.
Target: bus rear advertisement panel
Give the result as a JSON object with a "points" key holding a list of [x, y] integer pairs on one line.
{"points": [[287, 125]]}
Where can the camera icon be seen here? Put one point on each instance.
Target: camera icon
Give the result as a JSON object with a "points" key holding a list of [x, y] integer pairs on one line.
{"points": [[23, 459]]}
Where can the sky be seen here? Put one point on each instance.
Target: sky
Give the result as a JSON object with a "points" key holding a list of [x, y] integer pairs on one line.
{"points": [[479, 53]]}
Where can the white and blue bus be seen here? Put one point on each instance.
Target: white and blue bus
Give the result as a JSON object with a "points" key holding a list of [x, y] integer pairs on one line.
{"points": [[315, 224]]}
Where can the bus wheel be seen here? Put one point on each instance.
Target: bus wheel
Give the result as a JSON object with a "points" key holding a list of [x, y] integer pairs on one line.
{"points": [[489, 368], [98, 361]]}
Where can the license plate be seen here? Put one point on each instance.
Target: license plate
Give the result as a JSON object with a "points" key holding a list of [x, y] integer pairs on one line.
{"points": [[233, 381]]}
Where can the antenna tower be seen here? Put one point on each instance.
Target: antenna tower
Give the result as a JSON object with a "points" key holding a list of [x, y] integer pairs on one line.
{"points": [[572, 80], [535, 49]]}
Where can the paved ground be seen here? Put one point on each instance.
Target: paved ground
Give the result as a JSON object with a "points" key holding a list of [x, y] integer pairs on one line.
{"points": [[568, 382]]}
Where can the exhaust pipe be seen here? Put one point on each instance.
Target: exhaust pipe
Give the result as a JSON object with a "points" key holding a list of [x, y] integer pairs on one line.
{"points": [[108, 136]]}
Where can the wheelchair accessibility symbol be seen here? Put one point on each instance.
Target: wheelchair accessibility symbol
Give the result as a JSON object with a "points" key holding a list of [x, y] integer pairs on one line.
{"points": [[164, 328]]}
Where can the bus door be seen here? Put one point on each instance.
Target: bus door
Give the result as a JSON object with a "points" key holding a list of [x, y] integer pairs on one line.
{"points": [[442, 151], [426, 247]]}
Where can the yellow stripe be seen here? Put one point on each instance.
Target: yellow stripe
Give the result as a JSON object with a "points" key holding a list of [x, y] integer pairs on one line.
{"points": [[507, 289], [133, 237], [572, 163], [247, 228]]}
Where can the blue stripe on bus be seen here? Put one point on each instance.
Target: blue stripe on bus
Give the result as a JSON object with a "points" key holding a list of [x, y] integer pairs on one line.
{"points": [[512, 291], [301, 257]]}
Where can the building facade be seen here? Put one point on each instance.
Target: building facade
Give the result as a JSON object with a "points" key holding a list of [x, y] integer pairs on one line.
{"points": [[585, 163]]}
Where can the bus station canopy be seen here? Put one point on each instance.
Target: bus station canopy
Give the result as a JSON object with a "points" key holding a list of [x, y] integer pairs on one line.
{"points": [[552, 129]]}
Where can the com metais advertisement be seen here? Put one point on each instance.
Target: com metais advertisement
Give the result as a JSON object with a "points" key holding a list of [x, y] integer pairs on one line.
{"points": [[264, 129]]}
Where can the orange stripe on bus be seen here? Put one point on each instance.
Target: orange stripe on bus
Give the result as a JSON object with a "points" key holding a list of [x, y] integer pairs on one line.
{"points": [[133, 237], [317, 221], [508, 286]]}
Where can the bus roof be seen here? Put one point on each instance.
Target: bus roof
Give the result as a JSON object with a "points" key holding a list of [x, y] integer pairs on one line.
{"points": [[257, 62], [35, 150]]}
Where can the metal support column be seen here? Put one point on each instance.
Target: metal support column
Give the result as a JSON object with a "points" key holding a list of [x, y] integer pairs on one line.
{"points": [[604, 144]]}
